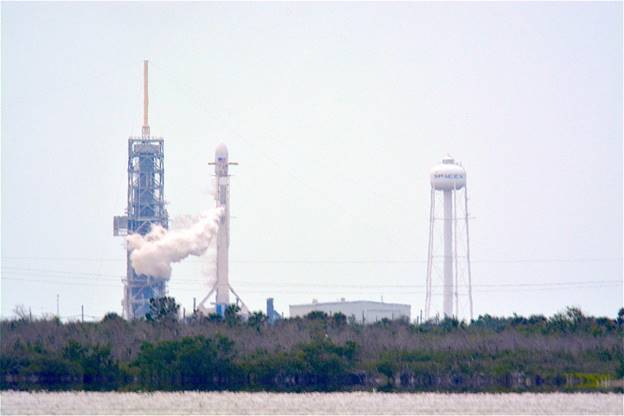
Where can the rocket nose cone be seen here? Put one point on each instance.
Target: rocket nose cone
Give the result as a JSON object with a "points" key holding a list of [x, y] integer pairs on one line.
{"points": [[221, 153]]}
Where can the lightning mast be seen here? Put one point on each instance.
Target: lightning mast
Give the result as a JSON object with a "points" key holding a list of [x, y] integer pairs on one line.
{"points": [[145, 131]]}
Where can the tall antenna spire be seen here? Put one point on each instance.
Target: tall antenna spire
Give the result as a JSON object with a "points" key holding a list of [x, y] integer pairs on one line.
{"points": [[146, 130]]}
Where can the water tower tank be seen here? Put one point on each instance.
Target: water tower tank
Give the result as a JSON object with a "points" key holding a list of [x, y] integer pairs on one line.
{"points": [[448, 175]]}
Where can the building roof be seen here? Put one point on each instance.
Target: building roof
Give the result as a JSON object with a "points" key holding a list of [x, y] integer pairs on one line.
{"points": [[351, 302]]}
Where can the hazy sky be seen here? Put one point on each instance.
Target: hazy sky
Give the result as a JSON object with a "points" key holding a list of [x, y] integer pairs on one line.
{"points": [[336, 112]]}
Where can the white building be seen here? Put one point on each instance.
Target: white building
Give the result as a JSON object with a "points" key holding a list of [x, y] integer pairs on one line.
{"points": [[364, 311]]}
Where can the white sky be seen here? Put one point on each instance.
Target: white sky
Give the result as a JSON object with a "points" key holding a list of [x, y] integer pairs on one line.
{"points": [[336, 113]]}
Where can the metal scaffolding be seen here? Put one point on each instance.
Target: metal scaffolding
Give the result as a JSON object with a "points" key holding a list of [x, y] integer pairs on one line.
{"points": [[146, 206]]}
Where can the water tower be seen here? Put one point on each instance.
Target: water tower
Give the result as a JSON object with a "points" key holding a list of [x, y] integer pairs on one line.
{"points": [[448, 259]]}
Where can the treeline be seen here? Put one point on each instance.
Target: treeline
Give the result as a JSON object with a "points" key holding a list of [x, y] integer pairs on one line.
{"points": [[566, 352]]}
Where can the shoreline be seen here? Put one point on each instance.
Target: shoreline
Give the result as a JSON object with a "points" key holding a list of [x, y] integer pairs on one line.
{"points": [[33, 403]]}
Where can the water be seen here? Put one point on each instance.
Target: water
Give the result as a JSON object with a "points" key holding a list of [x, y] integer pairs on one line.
{"points": [[309, 403]]}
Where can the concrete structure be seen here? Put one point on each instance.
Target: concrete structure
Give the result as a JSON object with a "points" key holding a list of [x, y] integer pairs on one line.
{"points": [[449, 180], [271, 313], [363, 311], [146, 206], [222, 287]]}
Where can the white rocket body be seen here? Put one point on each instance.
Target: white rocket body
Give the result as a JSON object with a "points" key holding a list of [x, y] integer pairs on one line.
{"points": [[222, 197], [222, 288]]}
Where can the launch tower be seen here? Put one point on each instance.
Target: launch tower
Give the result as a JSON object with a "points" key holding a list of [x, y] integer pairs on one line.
{"points": [[146, 206]]}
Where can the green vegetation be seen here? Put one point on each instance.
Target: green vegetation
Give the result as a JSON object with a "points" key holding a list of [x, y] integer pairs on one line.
{"points": [[162, 309], [566, 352]]}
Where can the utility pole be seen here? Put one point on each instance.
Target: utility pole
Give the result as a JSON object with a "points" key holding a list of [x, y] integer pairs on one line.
{"points": [[58, 310], [30, 313], [82, 313]]}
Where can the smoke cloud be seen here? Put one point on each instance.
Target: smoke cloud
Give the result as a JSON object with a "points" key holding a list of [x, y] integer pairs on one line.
{"points": [[154, 253]]}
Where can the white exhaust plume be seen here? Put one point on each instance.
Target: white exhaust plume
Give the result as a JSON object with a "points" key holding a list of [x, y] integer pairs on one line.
{"points": [[153, 254], [209, 267]]}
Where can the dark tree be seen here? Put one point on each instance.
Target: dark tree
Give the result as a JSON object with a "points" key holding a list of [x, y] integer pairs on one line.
{"points": [[317, 316], [257, 320], [111, 316], [163, 309], [231, 315]]}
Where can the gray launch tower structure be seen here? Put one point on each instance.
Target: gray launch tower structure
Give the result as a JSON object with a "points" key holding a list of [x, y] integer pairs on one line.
{"points": [[146, 206]]}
